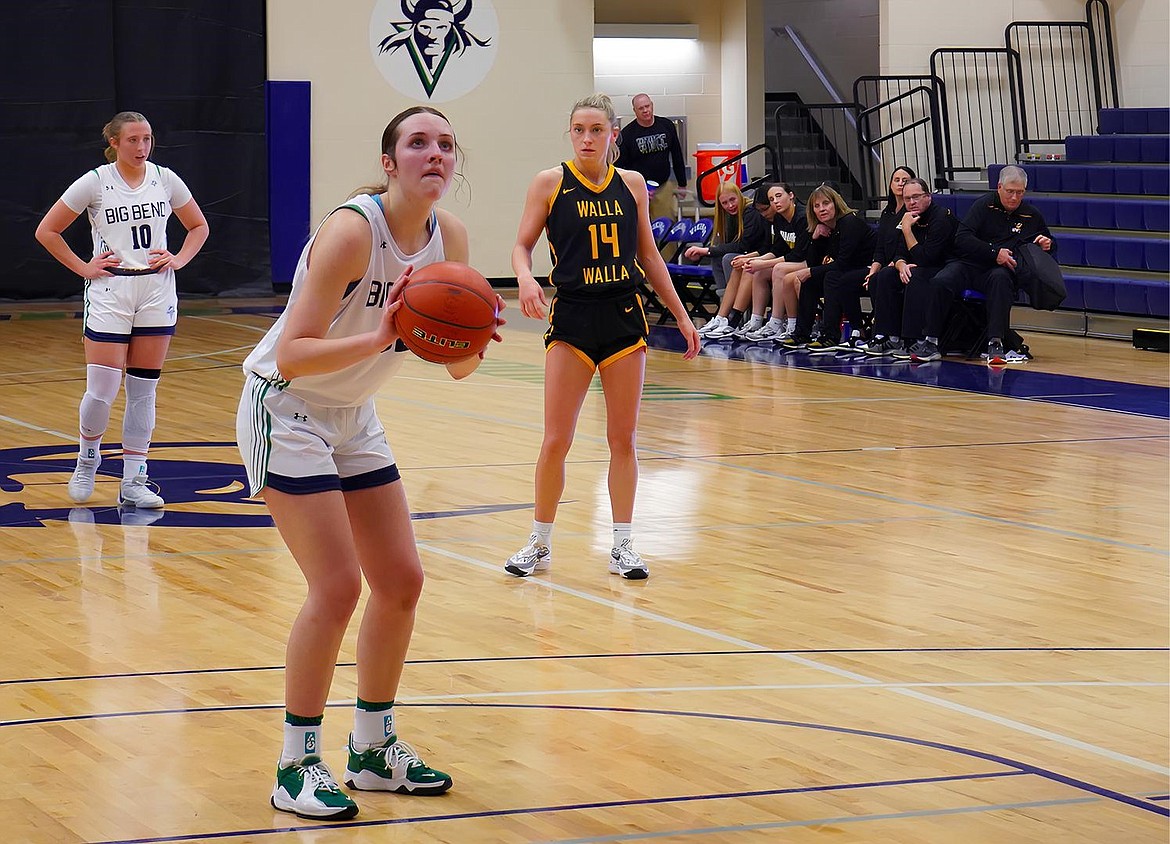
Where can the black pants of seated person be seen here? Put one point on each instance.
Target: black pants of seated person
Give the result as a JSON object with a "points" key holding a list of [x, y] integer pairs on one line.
{"points": [[843, 289], [899, 310], [811, 291], [997, 285]]}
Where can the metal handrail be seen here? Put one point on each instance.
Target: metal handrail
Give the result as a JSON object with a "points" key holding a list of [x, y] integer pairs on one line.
{"points": [[815, 66], [1013, 75], [1093, 9], [928, 86], [1026, 140]]}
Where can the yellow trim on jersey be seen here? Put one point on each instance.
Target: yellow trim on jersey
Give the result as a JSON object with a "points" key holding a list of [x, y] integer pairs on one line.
{"points": [[588, 185], [588, 361], [614, 358], [553, 196]]}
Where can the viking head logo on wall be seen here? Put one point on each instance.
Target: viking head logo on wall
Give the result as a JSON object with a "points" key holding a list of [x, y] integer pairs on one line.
{"points": [[442, 50]]}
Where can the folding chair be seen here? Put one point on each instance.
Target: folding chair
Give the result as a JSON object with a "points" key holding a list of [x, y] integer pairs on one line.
{"points": [[672, 244], [660, 226], [694, 282], [669, 244]]}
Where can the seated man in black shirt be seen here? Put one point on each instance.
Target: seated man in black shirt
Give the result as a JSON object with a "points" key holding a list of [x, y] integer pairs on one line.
{"points": [[997, 223], [925, 241]]}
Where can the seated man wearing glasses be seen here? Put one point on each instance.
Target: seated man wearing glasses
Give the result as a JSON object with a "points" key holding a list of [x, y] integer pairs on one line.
{"points": [[997, 224], [901, 291]]}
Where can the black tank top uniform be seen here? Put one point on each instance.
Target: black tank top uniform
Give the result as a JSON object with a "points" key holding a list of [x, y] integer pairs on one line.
{"points": [[592, 235]]}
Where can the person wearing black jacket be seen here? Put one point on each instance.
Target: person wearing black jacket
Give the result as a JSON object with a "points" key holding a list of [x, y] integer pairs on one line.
{"points": [[997, 224], [843, 289], [841, 240], [756, 234], [925, 240], [785, 255]]}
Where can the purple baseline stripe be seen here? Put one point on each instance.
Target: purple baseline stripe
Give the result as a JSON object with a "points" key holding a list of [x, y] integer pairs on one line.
{"points": [[1011, 382]]}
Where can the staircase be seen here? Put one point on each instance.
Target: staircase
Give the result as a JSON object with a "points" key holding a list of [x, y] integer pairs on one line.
{"points": [[808, 157]]}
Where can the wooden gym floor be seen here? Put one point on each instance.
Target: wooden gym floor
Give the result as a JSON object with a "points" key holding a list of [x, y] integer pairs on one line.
{"points": [[887, 604]]}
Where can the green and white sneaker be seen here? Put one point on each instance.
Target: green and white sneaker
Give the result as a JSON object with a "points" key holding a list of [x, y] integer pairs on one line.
{"points": [[307, 789], [393, 766]]}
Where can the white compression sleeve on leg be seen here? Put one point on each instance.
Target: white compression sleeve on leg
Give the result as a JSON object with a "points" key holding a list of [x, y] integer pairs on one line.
{"points": [[138, 424], [101, 388]]}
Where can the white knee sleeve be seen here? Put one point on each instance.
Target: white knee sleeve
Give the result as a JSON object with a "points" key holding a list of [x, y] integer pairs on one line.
{"points": [[138, 424], [101, 388]]}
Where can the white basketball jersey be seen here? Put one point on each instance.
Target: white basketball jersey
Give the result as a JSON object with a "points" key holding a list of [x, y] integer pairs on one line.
{"points": [[128, 221], [360, 311]]}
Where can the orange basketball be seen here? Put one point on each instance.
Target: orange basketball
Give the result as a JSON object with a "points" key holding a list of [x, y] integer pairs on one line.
{"points": [[448, 312]]}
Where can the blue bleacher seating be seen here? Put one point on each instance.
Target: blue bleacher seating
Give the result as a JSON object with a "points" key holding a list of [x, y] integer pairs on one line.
{"points": [[1157, 256], [1138, 149], [1134, 121], [1096, 212], [1060, 177], [1108, 204]]}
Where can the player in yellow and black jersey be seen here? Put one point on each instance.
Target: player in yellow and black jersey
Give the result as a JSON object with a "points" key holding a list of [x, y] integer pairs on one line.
{"points": [[598, 226]]}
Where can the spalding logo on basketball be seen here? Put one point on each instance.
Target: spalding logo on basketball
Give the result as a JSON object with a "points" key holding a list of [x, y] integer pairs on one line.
{"points": [[448, 312]]}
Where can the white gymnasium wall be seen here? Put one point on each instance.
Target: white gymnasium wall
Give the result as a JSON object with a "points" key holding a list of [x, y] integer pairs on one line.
{"points": [[510, 127], [684, 81], [842, 35], [716, 81], [1141, 29]]}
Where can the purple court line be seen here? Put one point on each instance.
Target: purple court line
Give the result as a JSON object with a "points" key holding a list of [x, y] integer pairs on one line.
{"points": [[1024, 767], [179, 672], [570, 807]]}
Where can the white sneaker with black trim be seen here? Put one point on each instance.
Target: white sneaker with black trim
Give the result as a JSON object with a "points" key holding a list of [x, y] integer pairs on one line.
{"points": [[307, 789], [136, 492], [84, 475], [624, 560], [535, 556]]}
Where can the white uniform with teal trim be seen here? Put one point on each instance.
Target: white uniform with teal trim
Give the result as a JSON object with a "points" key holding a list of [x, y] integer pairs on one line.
{"points": [[359, 312], [129, 222], [321, 432]]}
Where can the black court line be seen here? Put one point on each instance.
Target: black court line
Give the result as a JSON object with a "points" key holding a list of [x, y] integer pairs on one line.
{"points": [[1014, 765], [571, 807], [178, 672]]}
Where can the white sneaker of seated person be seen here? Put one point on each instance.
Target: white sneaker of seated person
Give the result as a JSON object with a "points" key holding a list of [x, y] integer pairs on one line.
{"points": [[720, 332], [754, 324], [766, 333], [711, 324]]}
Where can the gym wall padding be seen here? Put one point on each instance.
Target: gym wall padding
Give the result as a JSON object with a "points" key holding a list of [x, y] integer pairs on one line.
{"points": [[195, 70], [289, 167]]}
